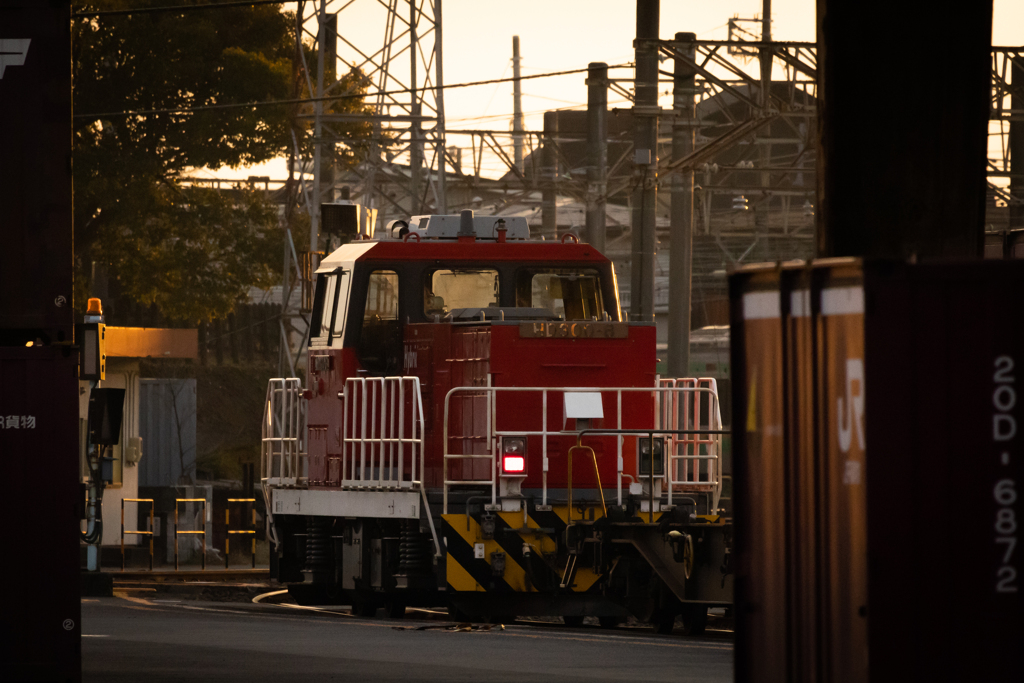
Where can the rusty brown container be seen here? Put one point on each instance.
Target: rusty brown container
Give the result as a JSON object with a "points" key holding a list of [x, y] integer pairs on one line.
{"points": [[889, 550], [760, 482]]}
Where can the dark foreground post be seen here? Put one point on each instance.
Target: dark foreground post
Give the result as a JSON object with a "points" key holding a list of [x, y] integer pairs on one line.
{"points": [[41, 632], [909, 179]]}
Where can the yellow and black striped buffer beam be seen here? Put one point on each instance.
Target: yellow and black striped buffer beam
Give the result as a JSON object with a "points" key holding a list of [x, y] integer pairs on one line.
{"points": [[529, 545]]}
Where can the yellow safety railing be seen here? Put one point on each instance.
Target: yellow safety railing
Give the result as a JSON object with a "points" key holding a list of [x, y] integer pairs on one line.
{"points": [[229, 530], [141, 533], [178, 501]]}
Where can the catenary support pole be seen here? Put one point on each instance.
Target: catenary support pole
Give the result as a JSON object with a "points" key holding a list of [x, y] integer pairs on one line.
{"points": [[680, 263], [597, 152], [549, 177], [318, 109], [439, 131], [1016, 142], [415, 127], [645, 150], [517, 105]]}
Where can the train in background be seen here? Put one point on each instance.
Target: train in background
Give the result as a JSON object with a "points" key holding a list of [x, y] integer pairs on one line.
{"points": [[480, 428]]}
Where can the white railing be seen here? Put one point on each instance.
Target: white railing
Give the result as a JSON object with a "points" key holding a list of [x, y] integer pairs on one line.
{"points": [[382, 434], [694, 456], [676, 404], [283, 453]]}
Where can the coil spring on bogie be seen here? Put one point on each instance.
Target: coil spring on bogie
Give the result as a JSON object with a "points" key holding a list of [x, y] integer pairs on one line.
{"points": [[317, 546], [413, 553]]}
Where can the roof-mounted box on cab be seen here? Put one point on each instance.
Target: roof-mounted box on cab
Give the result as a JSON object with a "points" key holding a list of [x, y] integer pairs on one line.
{"points": [[485, 227]]}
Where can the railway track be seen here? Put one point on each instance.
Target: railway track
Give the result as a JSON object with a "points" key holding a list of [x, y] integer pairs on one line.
{"points": [[720, 626]]}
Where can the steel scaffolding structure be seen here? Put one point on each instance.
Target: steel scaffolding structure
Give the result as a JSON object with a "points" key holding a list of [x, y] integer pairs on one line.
{"points": [[397, 51], [396, 55], [751, 161]]}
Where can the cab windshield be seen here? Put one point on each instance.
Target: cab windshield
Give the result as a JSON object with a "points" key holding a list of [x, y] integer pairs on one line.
{"points": [[569, 293], [446, 290]]}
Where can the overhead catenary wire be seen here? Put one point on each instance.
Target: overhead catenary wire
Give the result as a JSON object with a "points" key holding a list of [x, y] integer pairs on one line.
{"points": [[175, 8], [328, 98]]}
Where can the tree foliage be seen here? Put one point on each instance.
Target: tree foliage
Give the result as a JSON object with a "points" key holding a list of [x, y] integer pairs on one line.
{"points": [[193, 252]]}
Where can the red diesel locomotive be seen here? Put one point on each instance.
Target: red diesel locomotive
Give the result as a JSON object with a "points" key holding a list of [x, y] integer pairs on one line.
{"points": [[481, 429]]}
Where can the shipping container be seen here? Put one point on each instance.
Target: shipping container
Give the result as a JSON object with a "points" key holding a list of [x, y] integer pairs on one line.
{"points": [[43, 502], [877, 532], [35, 172]]}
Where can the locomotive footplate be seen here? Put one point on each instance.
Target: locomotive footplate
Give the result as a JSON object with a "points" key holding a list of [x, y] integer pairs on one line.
{"points": [[535, 562]]}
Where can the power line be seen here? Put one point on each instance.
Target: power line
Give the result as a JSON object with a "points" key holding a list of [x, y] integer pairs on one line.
{"points": [[174, 8], [330, 98]]}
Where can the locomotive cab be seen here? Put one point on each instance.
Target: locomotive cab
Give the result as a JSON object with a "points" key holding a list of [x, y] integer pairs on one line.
{"points": [[362, 303]]}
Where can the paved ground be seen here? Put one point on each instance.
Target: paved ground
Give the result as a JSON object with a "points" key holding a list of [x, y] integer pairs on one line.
{"points": [[156, 640]]}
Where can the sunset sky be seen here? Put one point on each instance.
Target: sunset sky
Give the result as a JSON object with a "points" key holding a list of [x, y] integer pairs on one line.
{"points": [[558, 35]]}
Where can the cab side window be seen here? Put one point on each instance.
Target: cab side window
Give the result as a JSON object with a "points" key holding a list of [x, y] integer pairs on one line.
{"points": [[380, 344]]}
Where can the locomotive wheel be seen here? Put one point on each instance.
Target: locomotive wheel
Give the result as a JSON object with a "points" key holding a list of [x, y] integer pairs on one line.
{"points": [[574, 620], [395, 608], [364, 606], [457, 615], [664, 623], [609, 622], [695, 619]]}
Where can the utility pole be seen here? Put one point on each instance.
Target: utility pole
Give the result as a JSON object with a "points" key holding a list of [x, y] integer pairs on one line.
{"points": [[318, 108], [680, 263], [517, 105], [549, 177], [597, 152], [645, 150], [440, 138], [761, 210], [415, 128]]}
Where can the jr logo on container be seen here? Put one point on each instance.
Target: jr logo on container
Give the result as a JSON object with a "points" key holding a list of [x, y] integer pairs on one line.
{"points": [[850, 417]]}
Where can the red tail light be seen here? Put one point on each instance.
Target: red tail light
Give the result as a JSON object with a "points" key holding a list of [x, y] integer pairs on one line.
{"points": [[513, 463], [513, 455]]}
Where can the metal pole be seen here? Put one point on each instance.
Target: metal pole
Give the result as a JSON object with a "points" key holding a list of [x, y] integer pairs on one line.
{"points": [[439, 131], [227, 537], [415, 127], [1016, 142], [597, 151], [765, 53], [764, 147], [517, 105], [549, 177], [151, 530], [680, 263], [284, 301], [314, 210], [645, 148]]}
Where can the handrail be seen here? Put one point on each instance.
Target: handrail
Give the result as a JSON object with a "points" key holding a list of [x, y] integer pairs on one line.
{"points": [[597, 473], [492, 434], [374, 426], [282, 456], [228, 530], [678, 456], [177, 531], [141, 533]]}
